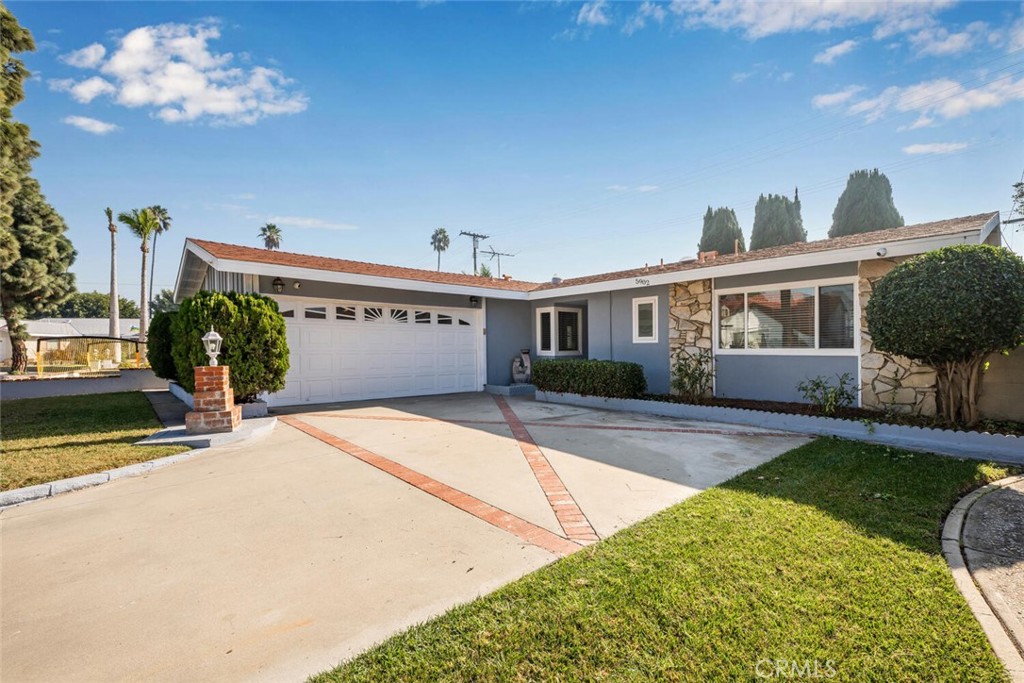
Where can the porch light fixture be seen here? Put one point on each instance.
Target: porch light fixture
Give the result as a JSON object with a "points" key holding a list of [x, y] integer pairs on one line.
{"points": [[211, 342], [474, 301], [278, 285]]}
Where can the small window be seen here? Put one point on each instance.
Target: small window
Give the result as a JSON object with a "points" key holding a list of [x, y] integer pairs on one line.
{"points": [[443, 319], [399, 315], [290, 313], [645, 320], [463, 322], [345, 312], [423, 317], [568, 331], [316, 313], [372, 314], [545, 331]]}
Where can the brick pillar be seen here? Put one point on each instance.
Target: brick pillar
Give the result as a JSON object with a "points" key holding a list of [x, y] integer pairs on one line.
{"points": [[214, 403]]}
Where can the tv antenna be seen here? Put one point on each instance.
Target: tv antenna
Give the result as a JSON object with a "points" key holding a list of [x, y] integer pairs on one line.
{"points": [[476, 243], [497, 254]]}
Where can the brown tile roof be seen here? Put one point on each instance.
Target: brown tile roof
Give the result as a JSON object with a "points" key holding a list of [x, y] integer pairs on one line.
{"points": [[934, 229], [252, 254], [235, 252]]}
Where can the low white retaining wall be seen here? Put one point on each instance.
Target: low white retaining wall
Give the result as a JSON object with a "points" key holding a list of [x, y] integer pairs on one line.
{"points": [[975, 445], [257, 409]]}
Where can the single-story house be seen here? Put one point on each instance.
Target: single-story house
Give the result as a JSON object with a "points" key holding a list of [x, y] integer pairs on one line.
{"points": [[771, 318], [58, 328]]}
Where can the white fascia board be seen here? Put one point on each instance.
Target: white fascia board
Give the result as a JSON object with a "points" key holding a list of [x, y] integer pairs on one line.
{"points": [[195, 250], [311, 274], [828, 257]]}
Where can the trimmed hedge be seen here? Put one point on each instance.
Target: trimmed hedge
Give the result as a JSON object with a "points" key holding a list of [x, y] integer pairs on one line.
{"points": [[159, 345], [255, 343], [607, 378]]}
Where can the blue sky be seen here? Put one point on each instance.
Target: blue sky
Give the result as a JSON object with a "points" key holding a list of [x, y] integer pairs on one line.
{"points": [[581, 137]]}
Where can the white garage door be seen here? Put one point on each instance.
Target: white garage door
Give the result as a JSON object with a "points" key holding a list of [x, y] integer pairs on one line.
{"points": [[343, 351]]}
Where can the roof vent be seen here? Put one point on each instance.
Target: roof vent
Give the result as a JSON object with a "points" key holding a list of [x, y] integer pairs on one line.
{"points": [[506, 278], [555, 280]]}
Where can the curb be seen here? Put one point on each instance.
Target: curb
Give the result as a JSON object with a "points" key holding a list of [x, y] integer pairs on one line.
{"points": [[30, 494], [992, 615]]}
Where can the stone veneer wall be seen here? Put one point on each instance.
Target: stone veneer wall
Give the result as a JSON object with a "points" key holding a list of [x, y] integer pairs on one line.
{"points": [[888, 381], [689, 318]]}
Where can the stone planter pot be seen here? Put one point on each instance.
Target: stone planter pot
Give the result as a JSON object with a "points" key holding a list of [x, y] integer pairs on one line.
{"points": [[249, 410], [974, 445]]}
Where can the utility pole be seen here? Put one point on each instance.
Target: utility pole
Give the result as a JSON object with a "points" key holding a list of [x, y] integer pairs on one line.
{"points": [[476, 243], [499, 254]]}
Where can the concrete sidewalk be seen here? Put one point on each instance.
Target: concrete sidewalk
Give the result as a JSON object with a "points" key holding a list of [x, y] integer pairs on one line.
{"points": [[993, 543]]}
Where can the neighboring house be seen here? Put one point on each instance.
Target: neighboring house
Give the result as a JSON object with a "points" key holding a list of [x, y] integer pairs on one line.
{"points": [[55, 328], [771, 318]]}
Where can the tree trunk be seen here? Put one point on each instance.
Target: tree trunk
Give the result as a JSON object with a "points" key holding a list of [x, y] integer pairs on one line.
{"points": [[144, 305], [114, 329], [18, 333], [439, 261], [152, 267], [957, 388]]}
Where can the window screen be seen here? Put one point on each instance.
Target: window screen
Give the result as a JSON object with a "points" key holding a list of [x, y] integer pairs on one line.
{"points": [[645, 321], [568, 331], [835, 317], [545, 331]]}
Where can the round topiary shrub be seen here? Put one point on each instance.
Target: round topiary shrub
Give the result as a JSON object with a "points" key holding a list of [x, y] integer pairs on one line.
{"points": [[255, 343], [950, 308], [159, 345]]}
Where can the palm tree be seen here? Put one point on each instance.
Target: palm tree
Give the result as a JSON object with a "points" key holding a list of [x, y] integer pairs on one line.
{"points": [[271, 235], [439, 241], [164, 224], [142, 224], [114, 328]]}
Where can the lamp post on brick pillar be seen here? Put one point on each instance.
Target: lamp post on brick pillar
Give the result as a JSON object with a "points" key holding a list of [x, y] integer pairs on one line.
{"points": [[213, 408]]}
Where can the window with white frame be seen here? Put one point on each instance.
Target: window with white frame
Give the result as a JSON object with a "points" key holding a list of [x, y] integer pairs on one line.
{"points": [[792, 318], [559, 331], [645, 320]]}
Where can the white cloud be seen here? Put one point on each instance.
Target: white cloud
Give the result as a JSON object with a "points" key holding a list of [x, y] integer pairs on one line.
{"points": [[647, 10], [94, 126], [170, 68], [936, 41], [85, 91], [643, 189], [741, 76], [648, 188], [758, 19], [244, 196], [304, 222], [88, 57], [593, 14], [834, 99], [831, 54], [618, 188], [940, 98], [935, 148], [1016, 35]]}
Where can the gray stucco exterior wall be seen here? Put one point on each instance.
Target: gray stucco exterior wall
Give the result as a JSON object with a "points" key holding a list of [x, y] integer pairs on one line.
{"points": [[791, 275], [508, 331], [608, 319], [383, 295], [774, 378]]}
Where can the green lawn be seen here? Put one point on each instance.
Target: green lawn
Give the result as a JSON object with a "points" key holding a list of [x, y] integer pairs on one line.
{"points": [[829, 553], [45, 439]]}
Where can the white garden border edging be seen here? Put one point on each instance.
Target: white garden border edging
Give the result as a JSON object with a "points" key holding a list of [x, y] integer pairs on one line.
{"points": [[249, 410], [974, 445]]}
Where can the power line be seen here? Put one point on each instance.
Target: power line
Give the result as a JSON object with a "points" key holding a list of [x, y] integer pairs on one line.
{"points": [[476, 243]]}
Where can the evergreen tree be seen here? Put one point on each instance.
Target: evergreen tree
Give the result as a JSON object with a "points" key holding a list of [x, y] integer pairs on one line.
{"points": [[90, 305], [37, 278], [17, 148], [721, 230], [865, 206], [777, 222], [163, 302]]}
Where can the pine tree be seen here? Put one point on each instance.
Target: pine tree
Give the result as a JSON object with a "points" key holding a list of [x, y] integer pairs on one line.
{"points": [[777, 222], [866, 205], [37, 279], [721, 230]]}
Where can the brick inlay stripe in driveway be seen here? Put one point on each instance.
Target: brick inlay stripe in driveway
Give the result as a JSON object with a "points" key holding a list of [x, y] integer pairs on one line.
{"points": [[573, 521], [506, 521]]}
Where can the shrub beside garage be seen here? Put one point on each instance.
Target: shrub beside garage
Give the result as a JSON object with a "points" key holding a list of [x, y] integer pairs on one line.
{"points": [[255, 342], [607, 378]]}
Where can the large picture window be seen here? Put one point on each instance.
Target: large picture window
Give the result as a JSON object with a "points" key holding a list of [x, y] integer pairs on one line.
{"points": [[559, 331], [787, 319]]}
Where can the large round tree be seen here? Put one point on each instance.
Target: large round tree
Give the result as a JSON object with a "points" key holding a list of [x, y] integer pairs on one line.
{"points": [[950, 309]]}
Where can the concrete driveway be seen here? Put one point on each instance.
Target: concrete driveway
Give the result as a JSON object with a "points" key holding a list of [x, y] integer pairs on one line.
{"points": [[275, 559]]}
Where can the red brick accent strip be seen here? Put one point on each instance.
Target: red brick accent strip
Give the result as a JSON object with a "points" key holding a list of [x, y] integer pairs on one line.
{"points": [[506, 521], [573, 521]]}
